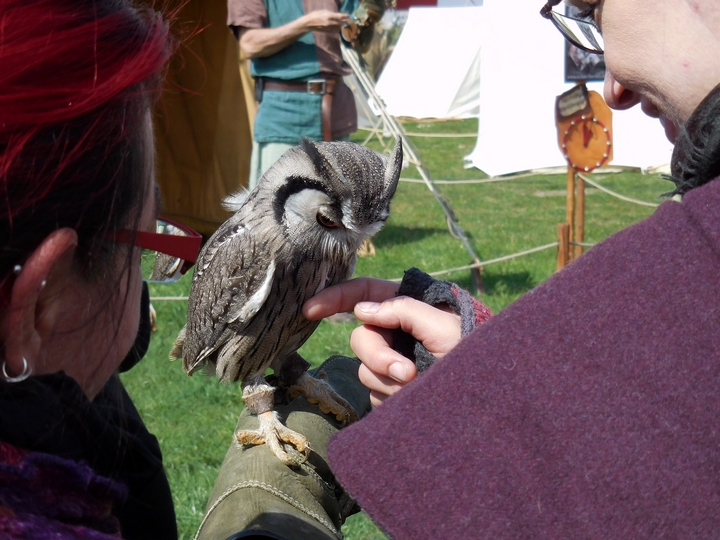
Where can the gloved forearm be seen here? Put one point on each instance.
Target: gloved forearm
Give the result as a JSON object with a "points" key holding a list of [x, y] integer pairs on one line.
{"points": [[256, 494]]}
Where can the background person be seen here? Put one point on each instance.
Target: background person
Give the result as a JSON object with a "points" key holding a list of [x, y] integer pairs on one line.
{"points": [[294, 47]]}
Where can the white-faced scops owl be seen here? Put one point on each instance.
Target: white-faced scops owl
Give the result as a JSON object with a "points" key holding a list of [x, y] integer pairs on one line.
{"points": [[296, 233]]}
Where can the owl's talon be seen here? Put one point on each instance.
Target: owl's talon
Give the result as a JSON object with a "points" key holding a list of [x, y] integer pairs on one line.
{"points": [[305, 455], [324, 408], [248, 437], [318, 391], [273, 433]]}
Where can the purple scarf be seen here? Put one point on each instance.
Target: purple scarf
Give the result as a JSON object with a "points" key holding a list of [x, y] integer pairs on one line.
{"points": [[46, 497]]}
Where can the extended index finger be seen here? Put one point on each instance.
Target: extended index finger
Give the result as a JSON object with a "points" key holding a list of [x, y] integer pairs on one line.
{"points": [[343, 297]]}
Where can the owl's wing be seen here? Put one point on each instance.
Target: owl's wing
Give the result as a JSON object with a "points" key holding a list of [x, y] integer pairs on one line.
{"points": [[232, 281]]}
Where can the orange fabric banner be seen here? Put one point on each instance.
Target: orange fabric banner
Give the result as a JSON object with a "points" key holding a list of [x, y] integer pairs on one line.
{"points": [[201, 121]]}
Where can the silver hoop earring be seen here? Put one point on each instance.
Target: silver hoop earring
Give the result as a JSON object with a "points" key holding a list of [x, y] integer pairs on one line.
{"points": [[27, 370]]}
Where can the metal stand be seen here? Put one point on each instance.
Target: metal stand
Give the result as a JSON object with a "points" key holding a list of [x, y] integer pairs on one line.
{"points": [[352, 58]]}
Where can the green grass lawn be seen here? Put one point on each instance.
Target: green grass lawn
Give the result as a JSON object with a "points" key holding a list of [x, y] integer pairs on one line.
{"points": [[194, 417]]}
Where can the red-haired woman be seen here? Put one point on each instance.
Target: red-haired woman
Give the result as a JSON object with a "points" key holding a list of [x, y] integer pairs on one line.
{"points": [[77, 79]]}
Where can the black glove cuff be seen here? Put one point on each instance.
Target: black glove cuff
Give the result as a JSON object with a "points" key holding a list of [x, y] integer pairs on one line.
{"points": [[420, 286]]}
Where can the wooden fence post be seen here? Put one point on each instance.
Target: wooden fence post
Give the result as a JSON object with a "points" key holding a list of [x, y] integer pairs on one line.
{"points": [[563, 254], [579, 218], [570, 206]]}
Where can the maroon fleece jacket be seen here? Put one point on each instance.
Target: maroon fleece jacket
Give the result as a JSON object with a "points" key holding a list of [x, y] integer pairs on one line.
{"points": [[590, 408]]}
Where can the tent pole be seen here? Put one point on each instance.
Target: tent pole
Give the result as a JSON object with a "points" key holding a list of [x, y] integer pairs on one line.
{"points": [[368, 85]]}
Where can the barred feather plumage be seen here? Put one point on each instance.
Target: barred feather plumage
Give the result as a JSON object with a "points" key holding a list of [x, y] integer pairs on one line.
{"points": [[295, 234]]}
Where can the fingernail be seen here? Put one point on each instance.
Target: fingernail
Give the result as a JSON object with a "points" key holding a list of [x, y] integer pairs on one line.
{"points": [[367, 307], [398, 371]]}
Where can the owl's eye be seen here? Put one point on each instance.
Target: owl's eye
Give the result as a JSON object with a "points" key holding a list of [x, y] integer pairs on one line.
{"points": [[325, 221]]}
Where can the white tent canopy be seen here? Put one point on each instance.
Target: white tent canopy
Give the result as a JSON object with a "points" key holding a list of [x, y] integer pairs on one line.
{"points": [[434, 71], [521, 71]]}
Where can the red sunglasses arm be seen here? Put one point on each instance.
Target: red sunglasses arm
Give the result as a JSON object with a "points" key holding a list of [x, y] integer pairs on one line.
{"points": [[182, 247]]}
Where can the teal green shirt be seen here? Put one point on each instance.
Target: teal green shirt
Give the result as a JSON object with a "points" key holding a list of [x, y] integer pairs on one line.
{"points": [[299, 60], [288, 116]]}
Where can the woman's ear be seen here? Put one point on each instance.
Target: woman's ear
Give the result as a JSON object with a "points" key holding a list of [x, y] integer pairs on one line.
{"points": [[36, 302]]}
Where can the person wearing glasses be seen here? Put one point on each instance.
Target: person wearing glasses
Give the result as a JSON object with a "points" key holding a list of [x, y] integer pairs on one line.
{"points": [[589, 407], [79, 212]]}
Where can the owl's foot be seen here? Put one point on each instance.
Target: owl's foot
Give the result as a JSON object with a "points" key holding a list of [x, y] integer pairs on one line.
{"points": [[319, 392], [258, 396], [253, 485], [273, 433]]}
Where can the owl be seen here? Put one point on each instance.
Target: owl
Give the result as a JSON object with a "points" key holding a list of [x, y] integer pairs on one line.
{"points": [[296, 233]]}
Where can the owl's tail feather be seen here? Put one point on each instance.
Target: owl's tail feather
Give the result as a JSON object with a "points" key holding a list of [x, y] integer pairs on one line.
{"points": [[190, 365], [177, 350]]}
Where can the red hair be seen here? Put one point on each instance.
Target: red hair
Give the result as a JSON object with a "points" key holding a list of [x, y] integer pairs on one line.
{"points": [[75, 81]]}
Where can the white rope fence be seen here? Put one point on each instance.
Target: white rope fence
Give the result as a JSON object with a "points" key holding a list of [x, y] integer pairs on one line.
{"points": [[504, 178], [614, 194], [427, 135], [525, 175], [437, 273], [490, 261], [468, 181]]}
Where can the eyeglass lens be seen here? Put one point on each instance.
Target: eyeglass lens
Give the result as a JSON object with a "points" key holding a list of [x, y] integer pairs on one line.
{"points": [[157, 266], [582, 34]]}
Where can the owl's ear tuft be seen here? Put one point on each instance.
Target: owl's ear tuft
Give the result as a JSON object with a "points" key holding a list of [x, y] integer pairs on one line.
{"points": [[394, 167], [319, 161], [322, 164]]}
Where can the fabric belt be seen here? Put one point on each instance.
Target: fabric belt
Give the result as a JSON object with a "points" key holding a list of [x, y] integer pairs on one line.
{"points": [[323, 87]]}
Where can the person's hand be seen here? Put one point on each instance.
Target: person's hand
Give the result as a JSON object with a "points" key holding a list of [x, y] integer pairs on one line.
{"points": [[324, 20], [384, 370]]}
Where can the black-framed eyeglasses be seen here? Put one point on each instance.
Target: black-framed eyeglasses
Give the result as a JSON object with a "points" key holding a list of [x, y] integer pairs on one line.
{"points": [[582, 33], [167, 253]]}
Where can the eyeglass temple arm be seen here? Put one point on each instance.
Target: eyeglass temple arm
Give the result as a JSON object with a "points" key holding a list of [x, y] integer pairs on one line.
{"points": [[183, 247], [547, 8]]}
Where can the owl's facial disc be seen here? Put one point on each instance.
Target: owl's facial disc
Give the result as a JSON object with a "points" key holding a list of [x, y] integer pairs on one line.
{"points": [[373, 228], [304, 207], [312, 218], [364, 223]]}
